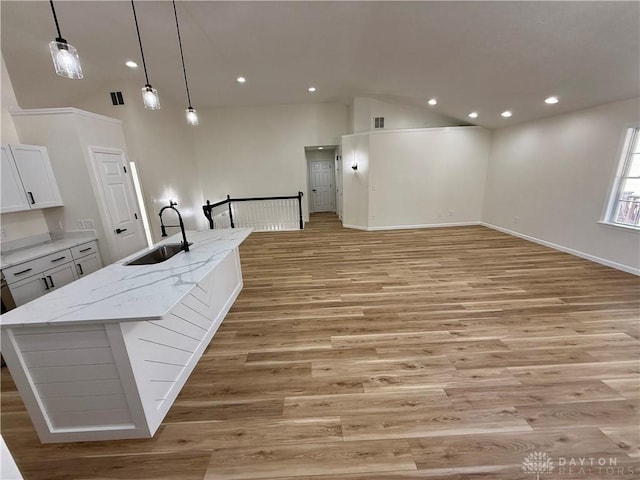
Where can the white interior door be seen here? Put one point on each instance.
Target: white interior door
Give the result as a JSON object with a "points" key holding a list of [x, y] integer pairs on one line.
{"points": [[120, 202], [322, 191]]}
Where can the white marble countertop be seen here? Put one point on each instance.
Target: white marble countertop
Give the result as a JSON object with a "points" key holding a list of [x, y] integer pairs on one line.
{"points": [[121, 292], [20, 255]]}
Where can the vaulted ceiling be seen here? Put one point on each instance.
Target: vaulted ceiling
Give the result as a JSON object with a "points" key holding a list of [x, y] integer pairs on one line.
{"points": [[471, 56]]}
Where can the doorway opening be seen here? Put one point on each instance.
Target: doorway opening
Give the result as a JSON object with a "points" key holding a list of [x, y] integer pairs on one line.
{"points": [[321, 178]]}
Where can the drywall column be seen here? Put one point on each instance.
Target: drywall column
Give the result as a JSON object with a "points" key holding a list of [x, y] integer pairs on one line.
{"points": [[355, 182]]}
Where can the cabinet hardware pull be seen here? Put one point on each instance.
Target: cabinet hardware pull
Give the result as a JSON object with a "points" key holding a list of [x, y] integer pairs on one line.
{"points": [[85, 250], [23, 271], [46, 285], [58, 259], [51, 281], [33, 200], [80, 269]]}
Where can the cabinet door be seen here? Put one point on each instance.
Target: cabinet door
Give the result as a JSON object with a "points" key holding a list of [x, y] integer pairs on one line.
{"points": [[12, 195], [88, 264], [37, 176], [61, 275], [28, 289]]}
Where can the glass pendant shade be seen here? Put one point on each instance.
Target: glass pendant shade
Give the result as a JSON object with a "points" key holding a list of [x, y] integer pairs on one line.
{"points": [[65, 59], [192, 116], [150, 97]]}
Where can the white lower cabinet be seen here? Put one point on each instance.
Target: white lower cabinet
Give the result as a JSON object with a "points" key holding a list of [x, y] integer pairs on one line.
{"points": [[34, 278], [28, 289], [88, 264], [60, 276], [33, 287]]}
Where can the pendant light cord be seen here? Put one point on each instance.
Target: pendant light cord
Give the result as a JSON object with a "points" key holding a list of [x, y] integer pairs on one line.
{"points": [[55, 19], [184, 70], [144, 64]]}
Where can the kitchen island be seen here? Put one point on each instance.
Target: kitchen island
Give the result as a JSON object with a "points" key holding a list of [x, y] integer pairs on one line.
{"points": [[105, 357]]}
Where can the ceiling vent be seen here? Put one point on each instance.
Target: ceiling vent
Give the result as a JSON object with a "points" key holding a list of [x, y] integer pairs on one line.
{"points": [[116, 98]]}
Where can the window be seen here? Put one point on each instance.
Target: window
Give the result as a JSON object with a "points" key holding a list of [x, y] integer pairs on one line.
{"points": [[625, 198]]}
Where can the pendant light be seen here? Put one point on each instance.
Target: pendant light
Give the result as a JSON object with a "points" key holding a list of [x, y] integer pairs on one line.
{"points": [[149, 94], [192, 115], [65, 57]]}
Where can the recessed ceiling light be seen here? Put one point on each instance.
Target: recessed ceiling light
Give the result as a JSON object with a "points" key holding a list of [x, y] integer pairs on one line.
{"points": [[131, 64], [241, 79], [551, 100], [473, 115], [506, 114], [320, 148], [433, 102], [312, 89]]}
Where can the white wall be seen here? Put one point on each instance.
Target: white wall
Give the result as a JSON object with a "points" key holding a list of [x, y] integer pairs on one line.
{"points": [[428, 176], [555, 175], [361, 116], [17, 225], [9, 133], [397, 115], [350, 118], [161, 144], [259, 151]]}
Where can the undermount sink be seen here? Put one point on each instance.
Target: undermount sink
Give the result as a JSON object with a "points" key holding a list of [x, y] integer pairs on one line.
{"points": [[158, 254]]}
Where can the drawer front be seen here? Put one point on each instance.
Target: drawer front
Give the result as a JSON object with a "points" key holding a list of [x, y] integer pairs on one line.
{"points": [[85, 249], [36, 266]]}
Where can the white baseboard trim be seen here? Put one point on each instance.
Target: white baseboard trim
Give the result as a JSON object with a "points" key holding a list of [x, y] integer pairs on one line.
{"points": [[577, 253], [355, 227], [410, 227], [428, 225]]}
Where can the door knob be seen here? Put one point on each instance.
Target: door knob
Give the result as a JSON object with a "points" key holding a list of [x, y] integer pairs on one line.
{"points": [[314, 189], [120, 230]]}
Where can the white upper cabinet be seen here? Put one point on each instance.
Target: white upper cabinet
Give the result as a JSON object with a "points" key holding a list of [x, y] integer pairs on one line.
{"points": [[13, 197], [31, 183]]}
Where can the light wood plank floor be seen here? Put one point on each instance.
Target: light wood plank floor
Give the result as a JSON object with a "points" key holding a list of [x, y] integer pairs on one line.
{"points": [[447, 353]]}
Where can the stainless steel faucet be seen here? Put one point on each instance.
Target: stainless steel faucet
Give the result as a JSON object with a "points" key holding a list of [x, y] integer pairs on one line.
{"points": [[172, 206]]}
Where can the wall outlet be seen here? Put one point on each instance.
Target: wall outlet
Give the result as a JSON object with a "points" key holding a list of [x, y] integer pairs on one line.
{"points": [[80, 224], [89, 224], [516, 219], [451, 212], [3, 233]]}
